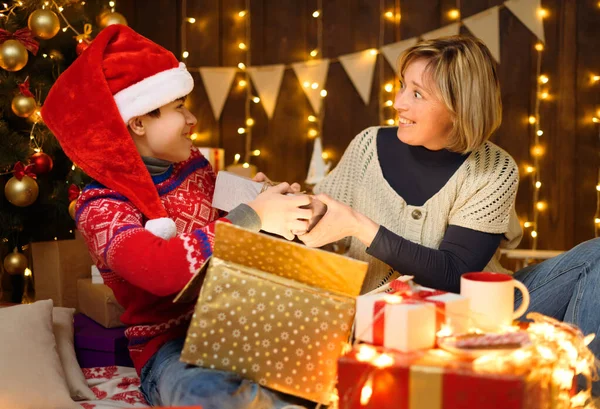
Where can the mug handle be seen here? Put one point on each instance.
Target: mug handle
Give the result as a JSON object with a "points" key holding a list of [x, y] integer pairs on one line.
{"points": [[525, 303]]}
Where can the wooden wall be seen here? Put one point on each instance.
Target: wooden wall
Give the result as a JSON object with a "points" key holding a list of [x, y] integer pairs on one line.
{"points": [[283, 31]]}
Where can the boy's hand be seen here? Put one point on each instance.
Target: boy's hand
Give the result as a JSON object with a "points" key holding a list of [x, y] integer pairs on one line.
{"points": [[318, 211], [261, 177], [281, 213]]}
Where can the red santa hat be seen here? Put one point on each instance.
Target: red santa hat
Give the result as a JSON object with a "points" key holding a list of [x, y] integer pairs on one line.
{"points": [[119, 76]]}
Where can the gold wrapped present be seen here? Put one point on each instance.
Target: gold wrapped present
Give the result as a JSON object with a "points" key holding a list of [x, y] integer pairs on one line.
{"points": [[273, 311]]}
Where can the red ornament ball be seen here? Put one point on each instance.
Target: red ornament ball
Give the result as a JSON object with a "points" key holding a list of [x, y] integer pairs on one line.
{"points": [[81, 47], [41, 162]]}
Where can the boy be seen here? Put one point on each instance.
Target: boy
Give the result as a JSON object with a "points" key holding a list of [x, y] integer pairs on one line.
{"points": [[118, 113]]}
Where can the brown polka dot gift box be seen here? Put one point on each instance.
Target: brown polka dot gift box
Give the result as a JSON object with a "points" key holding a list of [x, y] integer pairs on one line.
{"points": [[273, 311]]}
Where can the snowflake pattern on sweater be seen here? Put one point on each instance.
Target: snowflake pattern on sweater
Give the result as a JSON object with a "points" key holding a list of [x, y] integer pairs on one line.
{"points": [[143, 270]]}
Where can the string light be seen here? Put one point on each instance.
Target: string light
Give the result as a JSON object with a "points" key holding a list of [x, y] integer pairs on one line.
{"points": [[540, 132], [323, 93], [256, 100], [312, 118], [185, 54], [389, 87], [595, 78], [242, 83], [242, 46], [242, 13], [314, 53], [256, 152], [316, 14], [389, 15], [544, 79], [373, 51], [111, 3], [191, 20], [242, 66], [454, 14], [542, 13], [539, 47], [312, 132], [250, 122], [532, 120], [241, 131]]}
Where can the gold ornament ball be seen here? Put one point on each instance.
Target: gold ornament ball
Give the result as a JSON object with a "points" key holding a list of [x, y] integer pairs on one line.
{"points": [[109, 18], [23, 106], [44, 23], [72, 209], [15, 263], [13, 55], [22, 192]]}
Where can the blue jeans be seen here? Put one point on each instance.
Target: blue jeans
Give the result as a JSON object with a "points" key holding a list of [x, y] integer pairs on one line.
{"points": [[166, 381], [567, 287]]}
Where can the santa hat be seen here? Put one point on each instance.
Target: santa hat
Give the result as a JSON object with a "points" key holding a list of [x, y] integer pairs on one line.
{"points": [[119, 76]]}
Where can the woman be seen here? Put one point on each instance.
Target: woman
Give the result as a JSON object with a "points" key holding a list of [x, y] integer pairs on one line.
{"points": [[435, 199]]}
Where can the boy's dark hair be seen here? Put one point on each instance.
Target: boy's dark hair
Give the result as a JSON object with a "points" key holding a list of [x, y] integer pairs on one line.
{"points": [[156, 112]]}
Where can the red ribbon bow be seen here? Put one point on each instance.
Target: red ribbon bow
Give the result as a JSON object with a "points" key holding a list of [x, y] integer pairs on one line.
{"points": [[74, 192], [24, 36], [21, 170], [24, 88]]}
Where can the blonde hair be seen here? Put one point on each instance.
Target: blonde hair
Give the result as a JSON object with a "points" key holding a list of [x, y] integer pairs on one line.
{"points": [[464, 72]]}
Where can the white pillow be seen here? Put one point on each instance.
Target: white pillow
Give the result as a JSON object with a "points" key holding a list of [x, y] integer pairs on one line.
{"points": [[31, 375], [62, 320]]}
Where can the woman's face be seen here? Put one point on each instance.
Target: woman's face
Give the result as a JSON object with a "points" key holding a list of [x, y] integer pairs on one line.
{"points": [[423, 119]]}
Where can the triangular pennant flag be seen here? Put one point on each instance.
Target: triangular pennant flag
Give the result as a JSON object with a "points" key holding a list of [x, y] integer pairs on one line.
{"points": [[217, 82], [449, 30], [360, 67], [312, 76], [527, 12], [392, 52], [267, 80], [317, 169], [486, 27]]}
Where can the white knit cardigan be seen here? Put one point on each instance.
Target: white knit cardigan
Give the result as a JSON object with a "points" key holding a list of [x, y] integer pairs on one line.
{"points": [[480, 196]]}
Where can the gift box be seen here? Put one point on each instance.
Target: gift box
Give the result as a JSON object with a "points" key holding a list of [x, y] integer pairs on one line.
{"points": [[215, 156], [98, 302], [409, 320], [98, 346], [379, 378], [273, 311], [57, 266]]}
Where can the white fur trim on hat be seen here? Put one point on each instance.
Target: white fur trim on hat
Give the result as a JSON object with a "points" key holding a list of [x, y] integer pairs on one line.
{"points": [[164, 227], [153, 92]]}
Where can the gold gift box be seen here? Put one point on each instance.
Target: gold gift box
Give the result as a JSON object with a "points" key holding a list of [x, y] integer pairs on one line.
{"points": [[273, 311]]}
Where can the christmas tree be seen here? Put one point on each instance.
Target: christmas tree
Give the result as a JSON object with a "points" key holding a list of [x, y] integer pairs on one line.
{"points": [[39, 39]]}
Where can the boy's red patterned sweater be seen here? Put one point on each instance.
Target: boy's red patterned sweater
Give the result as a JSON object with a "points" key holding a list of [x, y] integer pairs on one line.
{"points": [[145, 271]]}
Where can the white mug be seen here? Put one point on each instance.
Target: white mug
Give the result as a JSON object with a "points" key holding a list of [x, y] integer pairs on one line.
{"points": [[492, 299]]}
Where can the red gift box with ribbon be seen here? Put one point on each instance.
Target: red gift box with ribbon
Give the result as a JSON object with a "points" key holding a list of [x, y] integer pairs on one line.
{"points": [[378, 378], [408, 319]]}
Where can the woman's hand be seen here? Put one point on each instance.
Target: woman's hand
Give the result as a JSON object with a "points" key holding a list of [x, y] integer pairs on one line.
{"points": [[338, 222], [280, 213], [261, 177]]}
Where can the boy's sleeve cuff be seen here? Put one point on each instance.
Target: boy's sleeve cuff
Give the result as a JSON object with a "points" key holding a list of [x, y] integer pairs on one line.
{"points": [[245, 216]]}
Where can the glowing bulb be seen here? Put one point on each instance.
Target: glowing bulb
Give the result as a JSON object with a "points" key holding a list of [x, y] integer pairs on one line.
{"points": [[73, 167], [541, 206], [242, 66], [314, 85], [383, 361], [256, 100], [532, 120], [366, 392], [390, 121], [191, 20], [538, 184], [242, 46], [529, 169], [65, 29], [185, 54], [194, 136], [366, 353], [323, 93], [544, 79], [246, 165], [314, 53], [595, 78], [242, 13], [241, 131], [537, 150], [539, 47], [237, 157], [597, 220], [111, 3], [454, 14], [596, 120], [527, 224], [256, 152], [389, 15], [306, 84], [389, 87], [312, 118], [61, 9], [242, 83], [598, 188], [534, 234], [249, 121], [325, 155], [312, 133], [540, 132], [373, 51], [445, 331], [389, 103], [316, 14], [542, 13], [27, 272], [544, 95]]}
